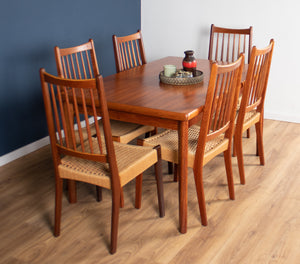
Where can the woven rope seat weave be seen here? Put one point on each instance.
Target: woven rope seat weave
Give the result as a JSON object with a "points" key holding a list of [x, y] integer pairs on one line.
{"points": [[123, 130], [169, 142], [97, 173], [127, 131], [250, 117]]}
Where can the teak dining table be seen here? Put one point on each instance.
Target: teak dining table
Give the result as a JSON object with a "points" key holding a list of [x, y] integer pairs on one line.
{"points": [[138, 96]]}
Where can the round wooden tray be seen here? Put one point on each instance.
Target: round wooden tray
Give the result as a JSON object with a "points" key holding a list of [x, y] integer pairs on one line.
{"points": [[181, 81]]}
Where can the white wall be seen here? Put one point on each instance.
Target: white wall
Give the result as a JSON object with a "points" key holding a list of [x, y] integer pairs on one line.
{"points": [[171, 26]]}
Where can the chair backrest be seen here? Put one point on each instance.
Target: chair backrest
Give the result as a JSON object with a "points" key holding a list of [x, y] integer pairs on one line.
{"points": [[70, 105], [79, 62], [129, 51], [220, 105], [256, 82], [226, 44]]}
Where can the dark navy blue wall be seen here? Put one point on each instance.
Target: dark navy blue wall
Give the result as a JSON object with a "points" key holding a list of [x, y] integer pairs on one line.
{"points": [[29, 30]]}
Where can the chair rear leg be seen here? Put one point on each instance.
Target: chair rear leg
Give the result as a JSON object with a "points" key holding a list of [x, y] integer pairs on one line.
{"points": [[99, 193], [138, 191], [153, 132], [173, 168], [121, 198], [72, 191], [259, 138], [170, 167], [248, 132], [228, 166], [58, 206], [233, 147], [175, 172], [159, 182], [99, 196]]}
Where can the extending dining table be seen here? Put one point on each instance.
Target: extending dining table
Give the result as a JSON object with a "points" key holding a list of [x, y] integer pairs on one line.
{"points": [[138, 96]]}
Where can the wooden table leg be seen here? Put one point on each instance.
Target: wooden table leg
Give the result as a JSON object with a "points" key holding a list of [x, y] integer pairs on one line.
{"points": [[183, 173]]}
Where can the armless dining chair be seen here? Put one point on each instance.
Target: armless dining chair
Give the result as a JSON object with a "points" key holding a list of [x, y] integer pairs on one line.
{"points": [[251, 110], [214, 135], [97, 159], [226, 44], [80, 62], [129, 51]]}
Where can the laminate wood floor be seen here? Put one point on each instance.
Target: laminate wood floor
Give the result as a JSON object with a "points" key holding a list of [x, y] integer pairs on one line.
{"points": [[261, 226]]}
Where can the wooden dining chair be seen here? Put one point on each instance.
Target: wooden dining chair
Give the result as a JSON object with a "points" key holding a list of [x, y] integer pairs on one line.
{"points": [[226, 44], [251, 109], [98, 159], [129, 51], [80, 62], [214, 136]]}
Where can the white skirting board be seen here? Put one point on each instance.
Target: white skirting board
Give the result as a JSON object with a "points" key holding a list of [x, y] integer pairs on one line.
{"points": [[18, 153], [281, 117], [45, 141]]}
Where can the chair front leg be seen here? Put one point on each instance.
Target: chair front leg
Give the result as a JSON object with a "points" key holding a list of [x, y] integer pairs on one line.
{"points": [[58, 205], [259, 138], [228, 166], [198, 176], [115, 220], [240, 157]]}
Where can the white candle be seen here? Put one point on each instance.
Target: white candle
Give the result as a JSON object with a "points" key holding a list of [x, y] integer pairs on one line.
{"points": [[169, 70]]}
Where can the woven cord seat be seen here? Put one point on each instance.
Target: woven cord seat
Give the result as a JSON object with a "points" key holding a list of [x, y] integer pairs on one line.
{"points": [[168, 140], [214, 134], [122, 132], [125, 132], [250, 119], [131, 160]]}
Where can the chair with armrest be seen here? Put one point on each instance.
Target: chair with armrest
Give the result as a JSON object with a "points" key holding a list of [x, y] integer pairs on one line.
{"points": [[251, 109], [80, 62], [214, 135], [226, 44], [96, 158]]}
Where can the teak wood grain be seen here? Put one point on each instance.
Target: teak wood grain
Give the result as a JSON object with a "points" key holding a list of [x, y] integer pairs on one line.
{"points": [[139, 91]]}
